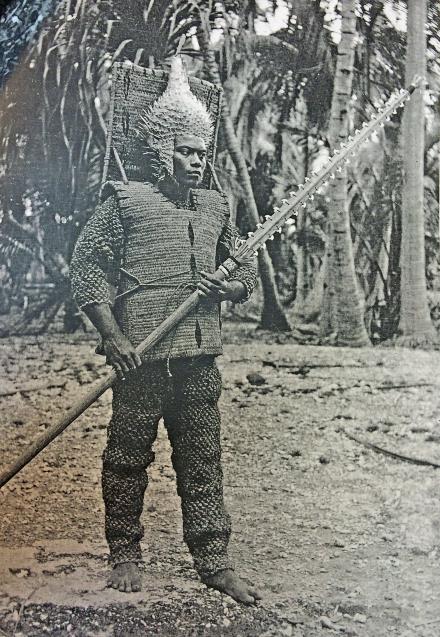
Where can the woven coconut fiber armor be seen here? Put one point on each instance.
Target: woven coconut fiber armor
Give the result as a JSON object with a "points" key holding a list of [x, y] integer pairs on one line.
{"points": [[165, 248], [188, 403]]}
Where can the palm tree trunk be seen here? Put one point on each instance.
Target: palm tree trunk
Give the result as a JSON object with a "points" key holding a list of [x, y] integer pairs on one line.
{"points": [[302, 279], [327, 321], [415, 322], [273, 316], [346, 315]]}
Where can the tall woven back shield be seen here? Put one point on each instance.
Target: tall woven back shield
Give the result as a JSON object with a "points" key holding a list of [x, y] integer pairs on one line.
{"points": [[135, 88]]}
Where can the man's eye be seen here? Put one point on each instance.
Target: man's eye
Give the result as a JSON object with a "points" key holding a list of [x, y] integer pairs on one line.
{"points": [[186, 152]]}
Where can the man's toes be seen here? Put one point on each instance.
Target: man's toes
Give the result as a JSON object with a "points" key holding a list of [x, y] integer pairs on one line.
{"points": [[132, 584], [240, 595], [255, 594], [136, 584], [245, 598], [111, 583]]}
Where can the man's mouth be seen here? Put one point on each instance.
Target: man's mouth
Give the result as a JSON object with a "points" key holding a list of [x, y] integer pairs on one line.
{"points": [[195, 173]]}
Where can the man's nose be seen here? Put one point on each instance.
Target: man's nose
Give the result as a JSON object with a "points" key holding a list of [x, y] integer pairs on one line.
{"points": [[195, 160]]}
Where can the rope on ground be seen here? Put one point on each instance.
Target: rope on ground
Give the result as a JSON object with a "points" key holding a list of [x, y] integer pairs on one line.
{"points": [[392, 454]]}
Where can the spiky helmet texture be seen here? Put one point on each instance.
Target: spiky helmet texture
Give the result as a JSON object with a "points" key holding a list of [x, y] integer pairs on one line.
{"points": [[177, 112]]}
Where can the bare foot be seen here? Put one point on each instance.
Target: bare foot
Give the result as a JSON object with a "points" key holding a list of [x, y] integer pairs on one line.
{"points": [[126, 577], [229, 583]]}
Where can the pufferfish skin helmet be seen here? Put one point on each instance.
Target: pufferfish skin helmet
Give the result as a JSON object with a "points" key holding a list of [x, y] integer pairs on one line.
{"points": [[177, 112]]}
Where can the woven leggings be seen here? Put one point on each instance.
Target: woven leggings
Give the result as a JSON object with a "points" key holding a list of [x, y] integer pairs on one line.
{"points": [[188, 403]]}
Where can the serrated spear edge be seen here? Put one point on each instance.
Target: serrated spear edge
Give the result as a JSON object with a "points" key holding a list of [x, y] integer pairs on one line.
{"points": [[247, 249], [308, 188]]}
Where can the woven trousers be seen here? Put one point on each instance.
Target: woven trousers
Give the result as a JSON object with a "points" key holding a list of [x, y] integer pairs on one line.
{"points": [[187, 401]]}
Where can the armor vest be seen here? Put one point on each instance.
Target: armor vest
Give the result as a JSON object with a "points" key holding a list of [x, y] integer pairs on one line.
{"points": [[165, 247]]}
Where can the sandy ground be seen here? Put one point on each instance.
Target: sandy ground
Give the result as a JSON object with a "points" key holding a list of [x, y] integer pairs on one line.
{"points": [[340, 539]]}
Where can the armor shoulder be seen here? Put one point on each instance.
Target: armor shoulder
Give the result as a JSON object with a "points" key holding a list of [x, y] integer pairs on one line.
{"points": [[109, 189], [125, 191], [213, 200]]}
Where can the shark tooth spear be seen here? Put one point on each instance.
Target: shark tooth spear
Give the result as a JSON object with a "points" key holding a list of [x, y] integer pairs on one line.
{"points": [[231, 266], [244, 250], [157, 241]]}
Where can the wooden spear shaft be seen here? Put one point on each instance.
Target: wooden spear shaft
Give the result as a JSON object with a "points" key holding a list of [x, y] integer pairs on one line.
{"points": [[101, 386], [255, 242], [98, 389]]}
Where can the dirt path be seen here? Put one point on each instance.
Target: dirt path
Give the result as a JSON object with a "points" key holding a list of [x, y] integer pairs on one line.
{"points": [[342, 540]]}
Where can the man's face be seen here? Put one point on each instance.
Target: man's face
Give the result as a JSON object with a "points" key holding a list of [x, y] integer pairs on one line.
{"points": [[189, 160]]}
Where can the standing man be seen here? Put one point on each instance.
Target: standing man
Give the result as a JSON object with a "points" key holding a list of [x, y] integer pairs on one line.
{"points": [[156, 242]]}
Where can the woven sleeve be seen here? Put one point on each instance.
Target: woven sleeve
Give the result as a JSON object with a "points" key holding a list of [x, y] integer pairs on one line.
{"points": [[96, 258], [246, 273]]}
